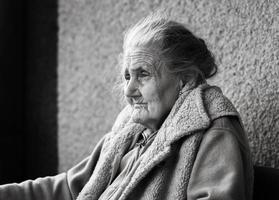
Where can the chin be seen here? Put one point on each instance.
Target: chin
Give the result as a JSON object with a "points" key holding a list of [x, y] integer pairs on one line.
{"points": [[139, 117], [138, 120]]}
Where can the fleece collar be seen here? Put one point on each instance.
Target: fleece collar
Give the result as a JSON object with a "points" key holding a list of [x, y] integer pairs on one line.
{"points": [[192, 113]]}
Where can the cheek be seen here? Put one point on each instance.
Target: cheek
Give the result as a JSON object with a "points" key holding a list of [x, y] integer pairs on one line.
{"points": [[151, 96], [165, 96], [150, 92], [169, 97], [154, 100]]}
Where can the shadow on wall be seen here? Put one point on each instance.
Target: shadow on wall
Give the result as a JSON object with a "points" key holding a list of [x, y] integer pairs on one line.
{"points": [[40, 142], [11, 92], [28, 140]]}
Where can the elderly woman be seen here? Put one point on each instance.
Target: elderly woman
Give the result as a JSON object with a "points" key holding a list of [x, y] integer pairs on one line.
{"points": [[178, 137]]}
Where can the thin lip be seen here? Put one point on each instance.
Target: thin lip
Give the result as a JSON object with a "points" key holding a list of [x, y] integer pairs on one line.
{"points": [[139, 104]]}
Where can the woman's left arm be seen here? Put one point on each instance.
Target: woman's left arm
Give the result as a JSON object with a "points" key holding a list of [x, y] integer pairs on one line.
{"points": [[222, 167]]}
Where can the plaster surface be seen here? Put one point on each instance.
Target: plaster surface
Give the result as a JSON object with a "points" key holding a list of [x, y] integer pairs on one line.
{"points": [[242, 34]]}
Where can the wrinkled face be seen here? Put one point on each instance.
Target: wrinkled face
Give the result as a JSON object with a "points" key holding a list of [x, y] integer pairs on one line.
{"points": [[151, 91]]}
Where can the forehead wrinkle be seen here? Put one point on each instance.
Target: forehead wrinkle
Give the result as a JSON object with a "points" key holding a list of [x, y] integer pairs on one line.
{"points": [[140, 57]]}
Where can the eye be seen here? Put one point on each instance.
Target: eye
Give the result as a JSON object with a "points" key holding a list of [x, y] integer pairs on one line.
{"points": [[144, 73]]}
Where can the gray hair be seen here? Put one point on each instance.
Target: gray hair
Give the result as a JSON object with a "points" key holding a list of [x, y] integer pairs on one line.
{"points": [[181, 52]]}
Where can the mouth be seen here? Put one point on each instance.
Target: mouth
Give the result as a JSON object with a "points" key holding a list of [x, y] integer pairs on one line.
{"points": [[139, 105]]}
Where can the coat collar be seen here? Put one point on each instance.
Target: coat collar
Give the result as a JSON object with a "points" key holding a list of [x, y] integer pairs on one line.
{"points": [[193, 112]]}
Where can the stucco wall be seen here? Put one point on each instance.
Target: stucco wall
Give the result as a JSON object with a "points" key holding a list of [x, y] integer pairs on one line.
{"points": [[243, 35]]}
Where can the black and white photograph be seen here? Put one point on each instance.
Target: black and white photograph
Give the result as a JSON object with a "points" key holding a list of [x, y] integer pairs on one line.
{"points": [[139, 100]]}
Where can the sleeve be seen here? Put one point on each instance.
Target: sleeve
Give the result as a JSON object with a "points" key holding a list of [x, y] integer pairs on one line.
{"points": [[219, 169], [64, 186]]}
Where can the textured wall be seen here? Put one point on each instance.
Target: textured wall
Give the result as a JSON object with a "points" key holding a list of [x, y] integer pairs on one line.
{"points": [[242, 34]]}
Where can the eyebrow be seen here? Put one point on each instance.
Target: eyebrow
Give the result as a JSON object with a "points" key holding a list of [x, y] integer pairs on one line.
{"points": [[135, 69]]}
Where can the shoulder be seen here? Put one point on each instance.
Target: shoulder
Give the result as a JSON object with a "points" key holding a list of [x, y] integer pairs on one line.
{"points": [[230, 123], [229, 129], [223, 164]]}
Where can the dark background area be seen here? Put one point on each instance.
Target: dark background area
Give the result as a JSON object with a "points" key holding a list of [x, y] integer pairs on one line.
{"points": [[28, 88]]}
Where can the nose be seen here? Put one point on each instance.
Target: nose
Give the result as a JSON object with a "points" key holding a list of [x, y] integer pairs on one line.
{"points": [[131, 88]]}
